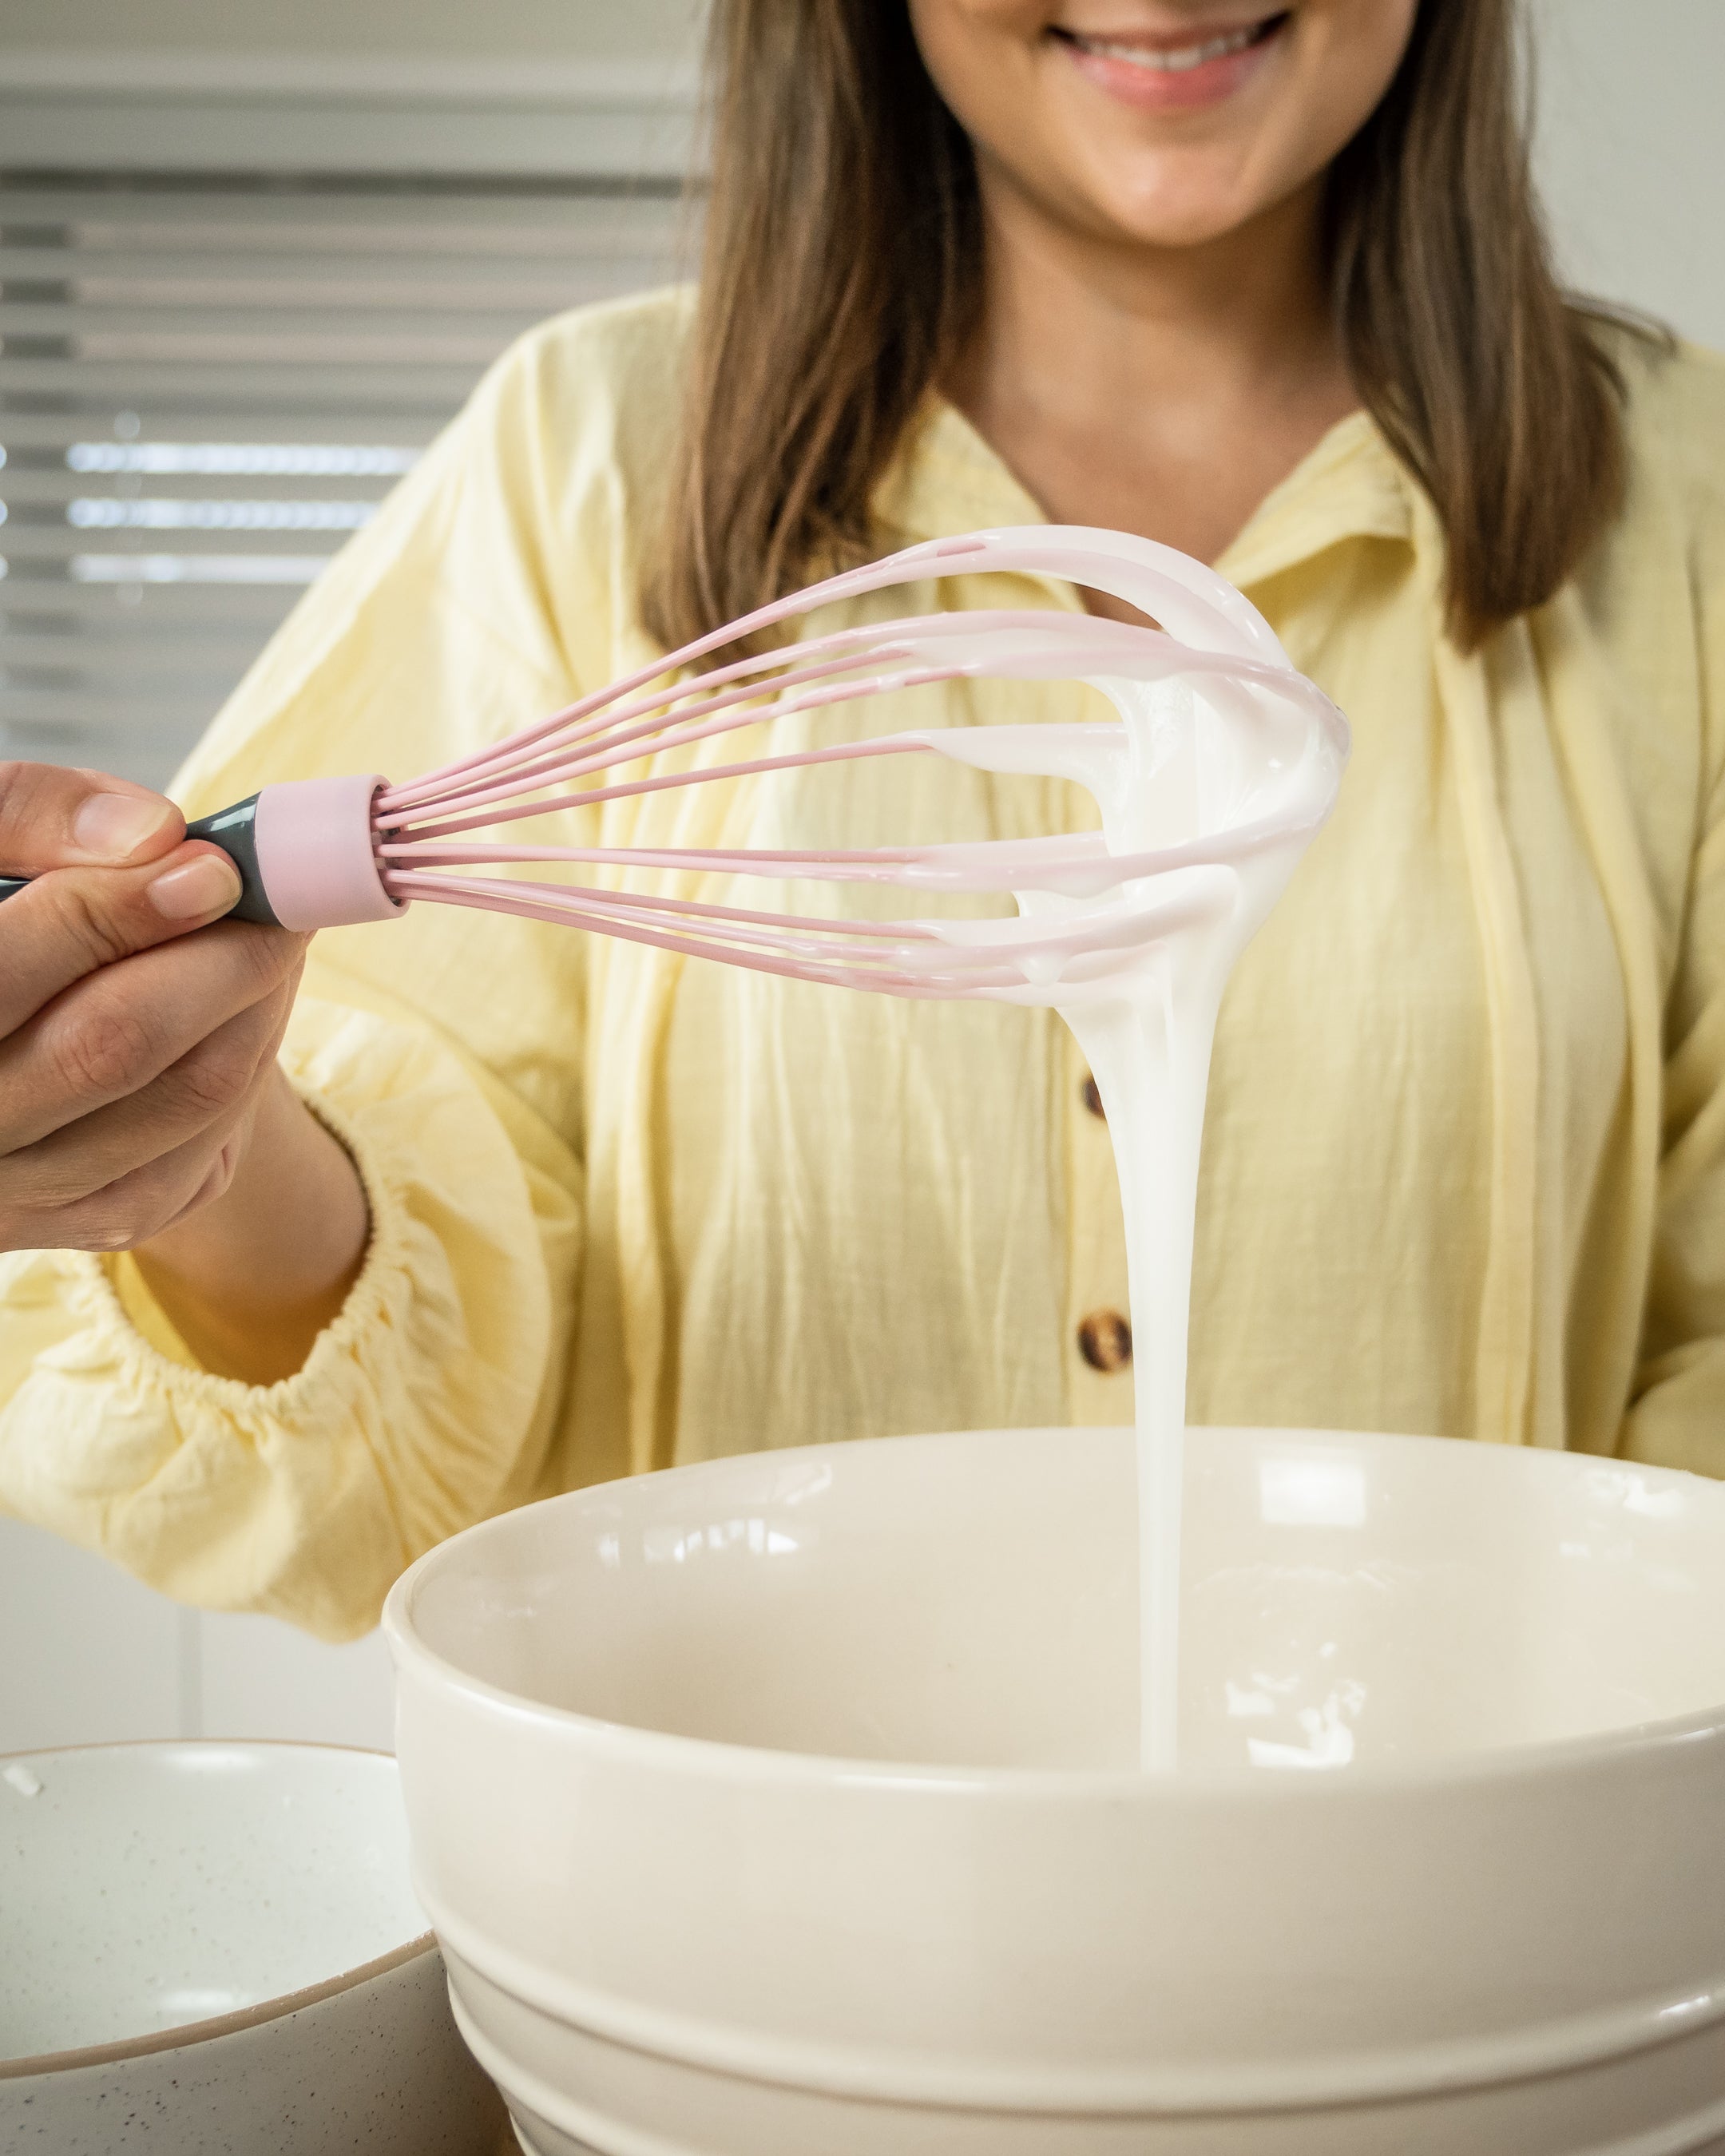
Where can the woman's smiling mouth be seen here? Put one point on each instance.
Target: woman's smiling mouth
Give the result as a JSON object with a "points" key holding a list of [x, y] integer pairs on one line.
{"points": [[1172, 72]]}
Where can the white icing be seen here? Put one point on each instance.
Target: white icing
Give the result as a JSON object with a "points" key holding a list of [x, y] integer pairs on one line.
{"points": [[1229, 781]]}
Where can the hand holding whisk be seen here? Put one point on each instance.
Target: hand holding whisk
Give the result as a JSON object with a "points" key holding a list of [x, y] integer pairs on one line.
{"points": [[1180, 812]]}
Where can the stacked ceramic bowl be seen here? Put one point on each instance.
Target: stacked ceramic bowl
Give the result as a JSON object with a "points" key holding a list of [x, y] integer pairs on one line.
{"points": [[214, 1948], [787, 1804]]}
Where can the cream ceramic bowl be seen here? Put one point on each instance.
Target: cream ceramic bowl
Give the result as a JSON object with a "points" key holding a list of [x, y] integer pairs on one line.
{"points": [[208, 1950], [786, 1806]]}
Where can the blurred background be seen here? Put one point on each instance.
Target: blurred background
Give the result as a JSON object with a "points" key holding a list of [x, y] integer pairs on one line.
{"points": [[251, 259]]}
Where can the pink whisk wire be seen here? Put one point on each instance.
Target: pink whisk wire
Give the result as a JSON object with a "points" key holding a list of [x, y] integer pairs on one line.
{"points": [[479, 793]]}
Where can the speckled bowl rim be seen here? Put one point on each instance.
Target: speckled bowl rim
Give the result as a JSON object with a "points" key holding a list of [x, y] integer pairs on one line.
{"points": [[246, 2017]]}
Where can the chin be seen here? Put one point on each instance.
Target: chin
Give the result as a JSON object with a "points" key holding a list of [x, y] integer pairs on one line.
{"points": [[1169, 207]]}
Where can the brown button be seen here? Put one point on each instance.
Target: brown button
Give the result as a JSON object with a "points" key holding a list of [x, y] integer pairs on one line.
{"points": [[1105, 1340], [1091, 1094]]}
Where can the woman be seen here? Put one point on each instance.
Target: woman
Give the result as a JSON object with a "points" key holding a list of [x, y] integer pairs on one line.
{"points": [[517, 1210]]}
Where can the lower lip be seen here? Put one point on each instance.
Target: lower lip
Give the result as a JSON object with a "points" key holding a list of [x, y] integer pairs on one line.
{"points": [[1187, 89]]}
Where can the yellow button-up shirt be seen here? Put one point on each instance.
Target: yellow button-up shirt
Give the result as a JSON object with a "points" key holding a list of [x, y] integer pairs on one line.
{"points": [[1464, 1168]]}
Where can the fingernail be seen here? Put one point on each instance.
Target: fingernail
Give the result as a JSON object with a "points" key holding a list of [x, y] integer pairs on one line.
{"points": [[208, 883], [113, 826]]}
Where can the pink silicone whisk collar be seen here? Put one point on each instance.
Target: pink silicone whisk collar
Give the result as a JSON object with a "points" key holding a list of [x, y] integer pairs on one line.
{"points": [[316, 853]]}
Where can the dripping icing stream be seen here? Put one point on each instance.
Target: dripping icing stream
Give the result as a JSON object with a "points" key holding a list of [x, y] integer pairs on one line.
{"points": [[1194, 764]]}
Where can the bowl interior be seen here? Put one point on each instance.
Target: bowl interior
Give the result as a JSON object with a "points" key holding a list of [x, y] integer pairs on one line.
{"points": [[971, 1599], [143, 1887]]}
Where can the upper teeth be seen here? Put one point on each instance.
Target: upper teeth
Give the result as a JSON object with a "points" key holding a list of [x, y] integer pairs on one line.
{"points": [[1177, 61]]}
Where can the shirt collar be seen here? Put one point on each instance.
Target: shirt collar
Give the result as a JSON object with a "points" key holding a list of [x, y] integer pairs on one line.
{"points": [[948, 480]]}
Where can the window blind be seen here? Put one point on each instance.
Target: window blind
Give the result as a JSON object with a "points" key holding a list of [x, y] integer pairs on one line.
{"points": [[206, 386]]}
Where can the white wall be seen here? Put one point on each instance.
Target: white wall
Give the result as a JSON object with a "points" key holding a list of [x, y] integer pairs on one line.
{"points": [[541, 87], [500, 30], [1631, 151], [88, 1655]]}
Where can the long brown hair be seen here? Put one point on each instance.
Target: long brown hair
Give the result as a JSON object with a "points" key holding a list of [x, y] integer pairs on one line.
{"points": [[841, 275]]}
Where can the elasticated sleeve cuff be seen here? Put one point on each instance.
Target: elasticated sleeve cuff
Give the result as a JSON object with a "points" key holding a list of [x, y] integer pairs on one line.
{"points": [[411, 1414]]}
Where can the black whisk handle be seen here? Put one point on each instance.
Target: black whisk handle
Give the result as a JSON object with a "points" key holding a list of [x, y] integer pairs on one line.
{"points": [[234, 830]]}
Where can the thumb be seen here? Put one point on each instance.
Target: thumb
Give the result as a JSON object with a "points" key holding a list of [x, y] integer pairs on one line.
{"points": [[52, 817]]}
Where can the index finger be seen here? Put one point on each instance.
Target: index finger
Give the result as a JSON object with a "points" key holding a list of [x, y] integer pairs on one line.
{"points": [[73, 921], [53, 817]]}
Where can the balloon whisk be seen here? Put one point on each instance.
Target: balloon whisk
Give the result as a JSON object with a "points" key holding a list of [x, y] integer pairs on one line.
{"points": [[322, 852]]}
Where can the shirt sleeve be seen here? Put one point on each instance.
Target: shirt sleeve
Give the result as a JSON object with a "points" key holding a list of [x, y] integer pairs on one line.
{"points": [[1678, 1417], [445, 1051]]}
